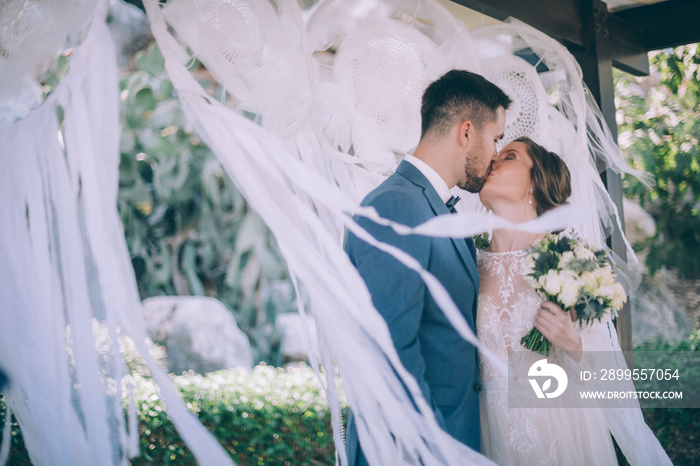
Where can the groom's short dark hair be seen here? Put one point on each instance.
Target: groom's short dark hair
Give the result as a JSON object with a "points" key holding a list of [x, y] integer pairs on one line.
{"points": [[460, 95]]}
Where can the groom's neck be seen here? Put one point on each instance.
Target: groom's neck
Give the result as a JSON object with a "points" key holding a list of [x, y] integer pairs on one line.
{"points": [[437, 155]]}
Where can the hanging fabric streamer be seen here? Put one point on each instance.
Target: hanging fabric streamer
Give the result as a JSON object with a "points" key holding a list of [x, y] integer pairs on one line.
{"points": [[67, 289]]}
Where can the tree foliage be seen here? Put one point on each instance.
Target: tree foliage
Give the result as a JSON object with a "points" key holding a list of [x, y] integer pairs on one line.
{"points": [[659, 124], [189, 231]]}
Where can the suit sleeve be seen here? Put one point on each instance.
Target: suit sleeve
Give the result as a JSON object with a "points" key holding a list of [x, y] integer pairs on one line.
{"points": [[397, 292]]}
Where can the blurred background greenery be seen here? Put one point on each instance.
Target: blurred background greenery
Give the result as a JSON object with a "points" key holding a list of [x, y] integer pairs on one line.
{"points": [[188, 229], [659, 126]]}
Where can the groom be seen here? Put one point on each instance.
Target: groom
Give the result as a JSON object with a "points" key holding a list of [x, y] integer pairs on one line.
{"points": [[463, 116]]}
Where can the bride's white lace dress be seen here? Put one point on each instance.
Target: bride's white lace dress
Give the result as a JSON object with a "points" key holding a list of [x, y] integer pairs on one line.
{"points": [[528, 436]]}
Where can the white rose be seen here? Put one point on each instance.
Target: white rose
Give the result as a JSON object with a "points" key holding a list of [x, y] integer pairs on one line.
{"points": [[569, 293], [529, 264], [604, 276], [606, 291], [566, 259], [589, 280], [619, 296], [552, 283], [569, 276], [583, 253], [531, 281]]}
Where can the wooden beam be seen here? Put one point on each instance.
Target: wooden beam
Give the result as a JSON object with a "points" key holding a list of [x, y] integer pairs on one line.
{"points": [[625, 41], [665, 24], [561, 19], [556, 18]]}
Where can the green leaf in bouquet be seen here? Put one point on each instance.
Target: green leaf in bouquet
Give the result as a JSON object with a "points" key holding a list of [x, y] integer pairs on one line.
{"points": [[589, 309], [547, 260], [564, 244], [481, 241], [583, 265]]}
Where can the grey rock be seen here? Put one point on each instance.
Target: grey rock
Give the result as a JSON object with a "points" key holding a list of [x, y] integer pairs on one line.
{"points": [[198, 333], [658, 311], [639, 225], [294, 347]]}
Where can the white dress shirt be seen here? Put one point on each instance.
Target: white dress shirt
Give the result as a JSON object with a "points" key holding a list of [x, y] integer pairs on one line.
{"points": [[435, 180]]}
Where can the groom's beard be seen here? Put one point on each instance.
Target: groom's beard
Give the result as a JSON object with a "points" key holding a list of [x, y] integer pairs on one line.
{"points": [[474, 180]]}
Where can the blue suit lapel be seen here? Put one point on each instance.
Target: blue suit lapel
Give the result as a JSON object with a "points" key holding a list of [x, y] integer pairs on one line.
{"points": [[465, 247]]}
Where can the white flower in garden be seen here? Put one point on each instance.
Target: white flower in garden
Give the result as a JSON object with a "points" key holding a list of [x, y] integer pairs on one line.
{"points": [[566, 259], [619, 296], [583, 253], [552, 282]]}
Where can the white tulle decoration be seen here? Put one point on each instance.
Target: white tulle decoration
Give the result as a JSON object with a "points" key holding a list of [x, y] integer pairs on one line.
{"points": [[383, 56], [520, 82], [555, 109], [67, 285]]}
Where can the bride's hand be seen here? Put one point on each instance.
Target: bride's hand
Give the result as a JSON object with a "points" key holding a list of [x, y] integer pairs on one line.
{"points": [[557, 327]]}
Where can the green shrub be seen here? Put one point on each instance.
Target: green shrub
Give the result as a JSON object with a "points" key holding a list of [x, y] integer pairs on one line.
{"points": [[263, 417], [678, 430]]}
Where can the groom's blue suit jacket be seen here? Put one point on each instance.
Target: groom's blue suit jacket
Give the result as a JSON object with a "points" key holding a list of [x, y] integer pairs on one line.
{"points": [[442, 362]]}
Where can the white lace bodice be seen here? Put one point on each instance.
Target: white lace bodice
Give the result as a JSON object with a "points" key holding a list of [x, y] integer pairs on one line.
{"points": [[507, 304]]}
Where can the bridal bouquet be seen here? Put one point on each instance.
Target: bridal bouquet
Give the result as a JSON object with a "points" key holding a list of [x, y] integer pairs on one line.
{"points": [[568, 272]]}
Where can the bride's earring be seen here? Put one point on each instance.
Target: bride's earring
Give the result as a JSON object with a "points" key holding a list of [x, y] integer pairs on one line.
{"points": [[530, 200]]}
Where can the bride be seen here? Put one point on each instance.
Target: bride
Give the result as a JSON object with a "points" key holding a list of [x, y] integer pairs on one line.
{"points": [[526, 181]]}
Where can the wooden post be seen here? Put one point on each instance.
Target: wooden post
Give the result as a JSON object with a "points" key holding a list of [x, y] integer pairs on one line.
{"points": [[596, 63]]}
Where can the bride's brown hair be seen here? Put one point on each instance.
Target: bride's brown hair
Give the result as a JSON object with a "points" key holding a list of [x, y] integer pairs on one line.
{"points": [[551, 179]]}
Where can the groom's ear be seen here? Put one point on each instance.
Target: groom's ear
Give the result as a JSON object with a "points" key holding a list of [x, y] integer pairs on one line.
{"points": [[465, 132]]}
